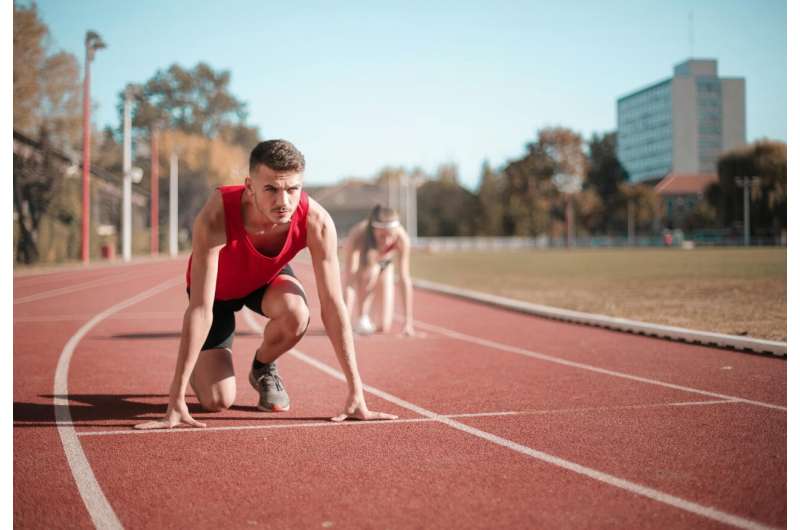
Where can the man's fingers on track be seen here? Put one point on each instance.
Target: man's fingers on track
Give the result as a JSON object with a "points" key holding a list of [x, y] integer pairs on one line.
{"points": [[340, 417]]}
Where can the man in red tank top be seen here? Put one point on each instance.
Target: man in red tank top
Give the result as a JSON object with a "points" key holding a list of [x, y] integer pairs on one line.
{"points": [[242, 242]]}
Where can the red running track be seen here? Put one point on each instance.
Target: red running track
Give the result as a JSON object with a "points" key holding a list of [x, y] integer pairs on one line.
{"points": [[506, 421]]}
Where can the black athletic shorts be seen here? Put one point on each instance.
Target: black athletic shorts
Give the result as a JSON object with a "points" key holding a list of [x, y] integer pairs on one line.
{"points": [[223, 325]]}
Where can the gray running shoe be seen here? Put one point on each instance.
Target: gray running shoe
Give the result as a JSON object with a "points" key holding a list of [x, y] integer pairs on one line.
{"points": [[269, 385]]}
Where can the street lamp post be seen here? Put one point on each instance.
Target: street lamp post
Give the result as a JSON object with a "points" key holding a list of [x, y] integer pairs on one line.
{"points": [[747, 183], [92, 43]]}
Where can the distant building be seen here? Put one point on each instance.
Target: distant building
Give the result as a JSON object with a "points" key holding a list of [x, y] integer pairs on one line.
{"points": [[681, 124], [348, 202], [680, 194]]}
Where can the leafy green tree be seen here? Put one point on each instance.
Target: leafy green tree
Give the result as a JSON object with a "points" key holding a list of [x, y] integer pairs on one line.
{"points": [[444, 208], [605, 175], [768, 204], [489, 199], [646, 205], [196, 101], [529, 197], [47, 109], [29, 53]]}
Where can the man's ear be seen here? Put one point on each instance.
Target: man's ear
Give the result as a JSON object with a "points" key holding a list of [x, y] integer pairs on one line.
{"points": [[248, 184]]}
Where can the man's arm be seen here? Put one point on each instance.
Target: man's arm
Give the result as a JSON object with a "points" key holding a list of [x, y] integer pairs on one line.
{"points": [[322, 245], [198, 316]]}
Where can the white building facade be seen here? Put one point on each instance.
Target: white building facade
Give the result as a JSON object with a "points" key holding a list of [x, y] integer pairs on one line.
{"points": [[681, 124]]}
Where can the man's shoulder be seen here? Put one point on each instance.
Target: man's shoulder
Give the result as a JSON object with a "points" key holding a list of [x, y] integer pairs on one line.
{"points": [[211, 218], [317, 214]]}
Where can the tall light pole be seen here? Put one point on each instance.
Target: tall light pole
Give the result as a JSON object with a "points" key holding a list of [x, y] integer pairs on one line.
{"points": [[130, 174], [154, 189], [173, 204], [568, 185], [126, 175], [411, 206], [747, 183], [92, 43]]}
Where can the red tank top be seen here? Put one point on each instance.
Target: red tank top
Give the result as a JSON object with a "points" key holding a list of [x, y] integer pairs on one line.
{"points": [[241, 268]]}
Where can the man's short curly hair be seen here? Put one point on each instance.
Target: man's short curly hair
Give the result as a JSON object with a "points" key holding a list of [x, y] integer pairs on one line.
{"points": [[279, 155]]}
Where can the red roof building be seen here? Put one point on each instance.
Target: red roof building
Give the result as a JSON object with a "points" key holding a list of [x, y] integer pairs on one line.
{"points": [[681, 192]]}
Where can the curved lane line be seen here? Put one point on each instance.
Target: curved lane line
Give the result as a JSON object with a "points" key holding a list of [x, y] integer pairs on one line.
{"points": [[78, 287], [97, 505]]}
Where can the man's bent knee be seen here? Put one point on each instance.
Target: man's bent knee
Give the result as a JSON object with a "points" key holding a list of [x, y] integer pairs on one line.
{"points": [[219, 399], [296, 318]]}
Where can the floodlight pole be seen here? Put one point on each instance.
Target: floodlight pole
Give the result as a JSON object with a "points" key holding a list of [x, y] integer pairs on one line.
{"points": [[92, 43], [173, 204], [126, 177], [154, 190], [570, 222], [747, 183], [411, 207]]}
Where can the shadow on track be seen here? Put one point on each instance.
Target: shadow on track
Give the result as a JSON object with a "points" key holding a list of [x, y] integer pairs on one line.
{"points": [[87, 408]]}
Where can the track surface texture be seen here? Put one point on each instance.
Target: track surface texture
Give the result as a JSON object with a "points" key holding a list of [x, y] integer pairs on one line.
{"points": [[506, 421]]}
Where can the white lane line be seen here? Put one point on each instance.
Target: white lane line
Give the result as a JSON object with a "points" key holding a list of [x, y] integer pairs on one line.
{"points": [[632, 487], [300, 424], [583, 366], [590, 409], [78, 287], [97, 505], [127, 316], [543, 357], [179, 430]]}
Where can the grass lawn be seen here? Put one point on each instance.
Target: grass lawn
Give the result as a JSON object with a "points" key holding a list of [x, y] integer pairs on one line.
{"points": [[736, 291]]}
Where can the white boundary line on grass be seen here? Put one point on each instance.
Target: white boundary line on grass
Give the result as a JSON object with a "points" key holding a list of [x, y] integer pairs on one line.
{"points": [[632, 487], [617, 324], [97, 505]]}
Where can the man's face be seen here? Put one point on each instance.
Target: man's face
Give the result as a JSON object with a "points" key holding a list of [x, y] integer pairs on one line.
{"points": [[276, 194]]}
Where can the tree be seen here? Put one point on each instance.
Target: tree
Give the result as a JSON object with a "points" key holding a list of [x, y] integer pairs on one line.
{"points": [[529, 197], [645, 204], [196, 101], [33, 192], [489, 199], [766, 160], [605, 175], [47, 105], [29, 53], [444, 207]]}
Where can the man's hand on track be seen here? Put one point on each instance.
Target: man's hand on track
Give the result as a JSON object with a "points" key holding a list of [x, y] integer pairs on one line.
{"points": [[177, 414]]}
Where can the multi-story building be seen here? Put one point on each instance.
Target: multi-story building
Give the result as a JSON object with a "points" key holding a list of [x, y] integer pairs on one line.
{"points": [[681, 124]]}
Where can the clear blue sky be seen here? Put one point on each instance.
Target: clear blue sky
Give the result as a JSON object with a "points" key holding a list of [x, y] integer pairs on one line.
{"points": [[361, 85]]}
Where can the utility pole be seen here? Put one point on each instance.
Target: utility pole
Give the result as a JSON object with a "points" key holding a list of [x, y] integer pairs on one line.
{"points": [[92, 43], [747, 183]]}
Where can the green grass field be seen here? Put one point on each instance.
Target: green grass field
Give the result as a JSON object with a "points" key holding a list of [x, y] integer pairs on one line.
{"points": [[731, 290]]}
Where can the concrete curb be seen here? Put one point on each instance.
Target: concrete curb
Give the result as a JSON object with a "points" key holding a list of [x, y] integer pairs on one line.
{"points": [[617, 324]]}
